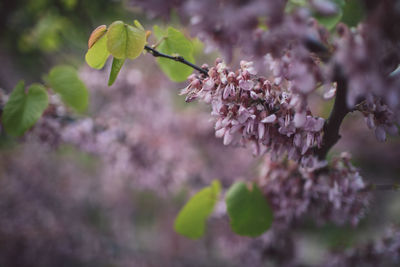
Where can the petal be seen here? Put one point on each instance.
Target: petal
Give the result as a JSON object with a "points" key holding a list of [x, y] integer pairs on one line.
{"points": [[270, 119], [380, 133]]}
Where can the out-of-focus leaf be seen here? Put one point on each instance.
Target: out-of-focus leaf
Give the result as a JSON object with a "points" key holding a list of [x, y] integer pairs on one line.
{"points": [[69, 4], [248, 210], [191, 220], [294, 4], [97, 55], [64, 80], [353, 12], [45, 35], [125, 41], [23, 109], [138, 25], [330, 21], [175, 43], [115, 68]]}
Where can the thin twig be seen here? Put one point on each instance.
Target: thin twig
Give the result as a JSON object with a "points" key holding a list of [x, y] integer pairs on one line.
{"points": [[180, 59], [382, 187]]}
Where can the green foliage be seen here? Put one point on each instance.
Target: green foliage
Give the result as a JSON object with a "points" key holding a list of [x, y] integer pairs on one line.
{"points": [[191, 220], [125, 41], [330, 21], [173, 42], [294, 4], [23, 109], [120, 40], [248, 210], [45, 35], [115, 68], [350, 12], [353, 12], [97, 55], [64, 80]]}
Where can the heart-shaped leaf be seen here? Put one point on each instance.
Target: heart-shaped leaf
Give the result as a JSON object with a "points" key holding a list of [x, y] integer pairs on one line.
{"points": [[191, 220], [64, 80], [23, 109], [248, 210], [125, 41]]}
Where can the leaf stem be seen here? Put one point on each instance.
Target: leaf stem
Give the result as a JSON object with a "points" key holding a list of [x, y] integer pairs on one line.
{"points": [[180, 59]]}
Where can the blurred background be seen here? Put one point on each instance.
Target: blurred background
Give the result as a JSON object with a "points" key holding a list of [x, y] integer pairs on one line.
{"points": [[103, 188]]}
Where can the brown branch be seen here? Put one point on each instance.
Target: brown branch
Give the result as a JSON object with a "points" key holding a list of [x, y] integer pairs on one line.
{"points": [[339, 111], [382, 187], [180, 59]]}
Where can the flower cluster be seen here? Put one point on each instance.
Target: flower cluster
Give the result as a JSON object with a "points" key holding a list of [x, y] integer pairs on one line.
{"points": [[363, 57], [335, 195], [251, 109], [382, 252], [296, 44], [378, 117]]}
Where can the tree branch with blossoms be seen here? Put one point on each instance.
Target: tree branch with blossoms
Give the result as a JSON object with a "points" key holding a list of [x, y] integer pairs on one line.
{"points": [[273, 115]]}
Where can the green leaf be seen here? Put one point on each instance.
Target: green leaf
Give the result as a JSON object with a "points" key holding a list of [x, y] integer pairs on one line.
{"points": [[97, 55], [96, 35], [116, 67], [175, 43], [191, 220], [64, 80], [22, 109], [248, 210], [353, 12], [294, 4], [330, 21], [125, 41], [138, 25]]}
